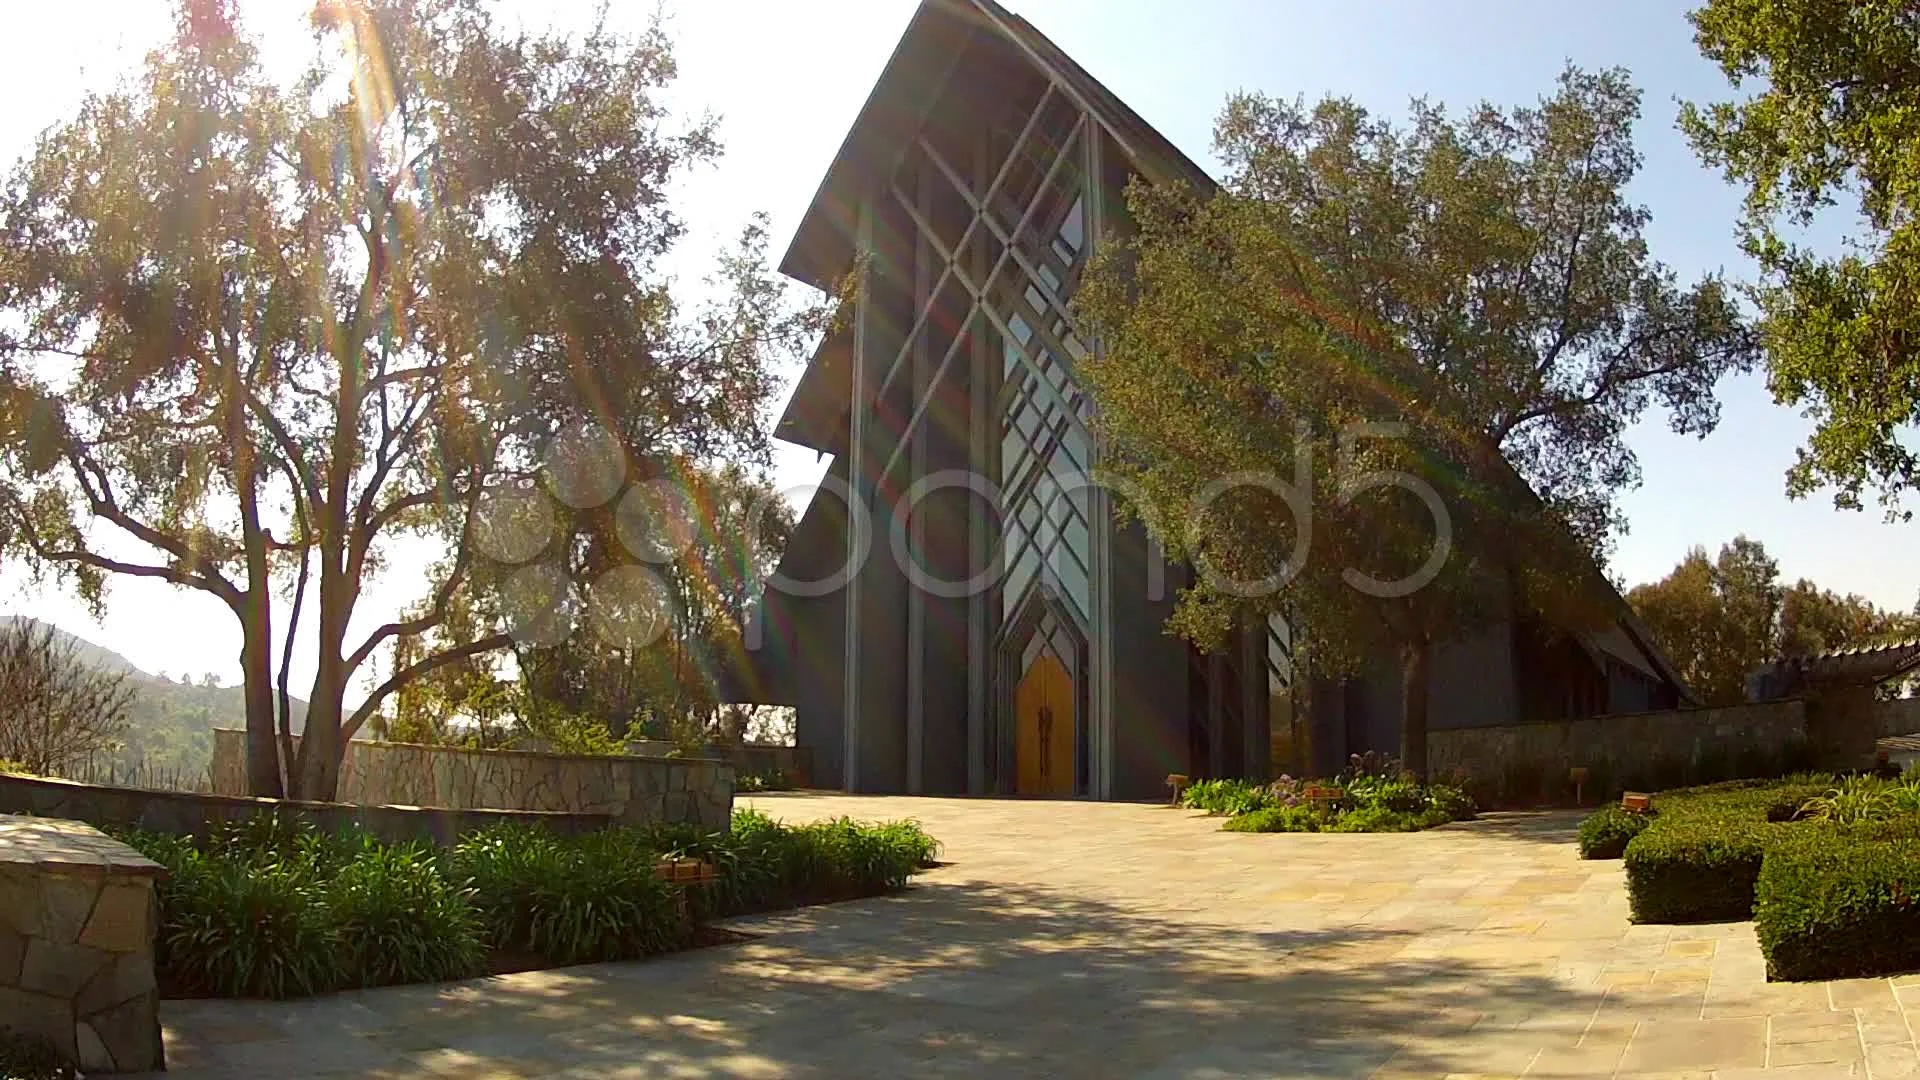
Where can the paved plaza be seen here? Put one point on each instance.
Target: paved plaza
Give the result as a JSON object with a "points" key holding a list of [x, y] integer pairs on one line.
{"points": [[1076, 939]]}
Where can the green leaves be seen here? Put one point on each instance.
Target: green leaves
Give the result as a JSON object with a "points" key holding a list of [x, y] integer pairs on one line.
{"points": [[262, 327], [1388, 316], [1720, 620], [1835, 118]]}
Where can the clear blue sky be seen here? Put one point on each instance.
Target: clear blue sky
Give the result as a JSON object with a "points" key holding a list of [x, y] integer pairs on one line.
{"points": [[786, 80]]}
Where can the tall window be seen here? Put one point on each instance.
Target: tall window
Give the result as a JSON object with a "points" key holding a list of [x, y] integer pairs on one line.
{"points": [[1045, 448]]}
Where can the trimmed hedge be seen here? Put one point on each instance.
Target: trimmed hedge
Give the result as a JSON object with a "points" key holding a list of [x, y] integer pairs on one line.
{"points": [[1695, 870], [1605, 833], [1698, 861], [1841, 903]]}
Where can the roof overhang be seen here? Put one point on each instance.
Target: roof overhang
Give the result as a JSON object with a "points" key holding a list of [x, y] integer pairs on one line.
{"points": [[935, 54], [816, 413], [935, 39], [1868, 665]]}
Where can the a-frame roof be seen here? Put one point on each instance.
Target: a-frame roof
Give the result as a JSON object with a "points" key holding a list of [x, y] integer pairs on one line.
{"points": [[927, 61]]}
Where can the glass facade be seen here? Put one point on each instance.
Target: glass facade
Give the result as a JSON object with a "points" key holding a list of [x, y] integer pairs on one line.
{"points": [[1046, 451]]}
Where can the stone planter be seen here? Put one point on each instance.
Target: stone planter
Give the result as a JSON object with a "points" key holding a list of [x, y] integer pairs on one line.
{"points": [[77, 921]]}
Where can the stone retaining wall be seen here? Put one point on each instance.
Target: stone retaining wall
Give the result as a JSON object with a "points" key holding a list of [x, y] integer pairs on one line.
{"points": [[77, 922], [189, 814], [1628, 744], [796, 762], [630, 790], [1898, 717]]}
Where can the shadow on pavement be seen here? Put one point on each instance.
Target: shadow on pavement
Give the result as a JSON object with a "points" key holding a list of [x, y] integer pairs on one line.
{"points": [[943, 980], [1536, 826]]}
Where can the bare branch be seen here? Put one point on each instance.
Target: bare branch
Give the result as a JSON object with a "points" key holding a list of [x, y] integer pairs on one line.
{"points": [[442, 598], [413, 671]]}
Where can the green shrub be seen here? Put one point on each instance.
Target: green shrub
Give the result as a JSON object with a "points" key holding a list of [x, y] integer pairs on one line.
{"points": [[771, 780], [24, 1058], [568, 900], [1231, 797], [1374, 819], [1695, 869], [1840, 904], [243, 926], [1451, 800], [764, 865], [271, 907], [399, 919], [1699, 859], [8, 765], [1605, 833], [1400, 794], [1279, 819]]}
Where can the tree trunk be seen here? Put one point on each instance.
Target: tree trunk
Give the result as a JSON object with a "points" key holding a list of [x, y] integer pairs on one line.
{"points": [[1416, 667], [256, 667], [256, 604], [320, 744]]}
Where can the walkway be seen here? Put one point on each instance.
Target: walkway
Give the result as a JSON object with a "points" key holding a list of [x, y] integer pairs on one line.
{"points": [[1101, 940]]}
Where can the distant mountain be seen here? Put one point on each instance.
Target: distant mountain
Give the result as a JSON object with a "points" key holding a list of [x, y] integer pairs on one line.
{"points": [[170, 724]]}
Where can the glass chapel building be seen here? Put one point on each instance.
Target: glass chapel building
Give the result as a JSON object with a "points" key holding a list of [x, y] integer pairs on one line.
{"points": [[977, 624]]}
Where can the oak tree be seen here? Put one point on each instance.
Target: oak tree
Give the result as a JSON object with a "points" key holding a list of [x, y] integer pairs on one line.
{"points": [[1833, 119], [1477, 287], [1722, 619], [256, 329]]}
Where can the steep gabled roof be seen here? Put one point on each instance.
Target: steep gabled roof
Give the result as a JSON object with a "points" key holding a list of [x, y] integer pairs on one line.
{"points": [[925, 62], [929, 58]]}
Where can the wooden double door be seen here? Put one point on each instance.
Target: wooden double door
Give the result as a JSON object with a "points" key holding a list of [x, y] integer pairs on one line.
{"points": [[1043, 707]]}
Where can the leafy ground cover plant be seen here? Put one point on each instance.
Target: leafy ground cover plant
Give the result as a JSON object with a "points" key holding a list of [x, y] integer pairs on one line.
{"points": [[1840, 903], [23, 1058], [1605, 833], [274, 908], [1373, 794], [771, 780]]}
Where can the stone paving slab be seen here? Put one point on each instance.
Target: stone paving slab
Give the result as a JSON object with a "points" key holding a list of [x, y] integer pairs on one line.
{"points": [[1068, 939]]}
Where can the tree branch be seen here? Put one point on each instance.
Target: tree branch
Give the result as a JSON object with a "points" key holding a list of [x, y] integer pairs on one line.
{"points": [[413, 671], [436, 611], [1604, 386], [103, 504]]}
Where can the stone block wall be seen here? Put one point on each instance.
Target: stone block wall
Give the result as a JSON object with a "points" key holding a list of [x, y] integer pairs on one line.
{"points": [[77, 922], [1898, 717], [628, 790], [746, 758], [1628, 744], [190, 814]]}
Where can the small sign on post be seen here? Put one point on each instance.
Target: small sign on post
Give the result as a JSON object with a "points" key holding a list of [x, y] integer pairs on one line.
{"points": [[1578, 776], [1323, 797], [1176, 783]]}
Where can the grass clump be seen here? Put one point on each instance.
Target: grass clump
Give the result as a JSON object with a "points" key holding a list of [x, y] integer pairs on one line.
{"points": [[273, 908]]}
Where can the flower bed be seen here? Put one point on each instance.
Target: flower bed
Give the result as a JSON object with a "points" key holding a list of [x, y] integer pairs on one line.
{"points": [[1373, 795], [1828, 868], [273, 909]]}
